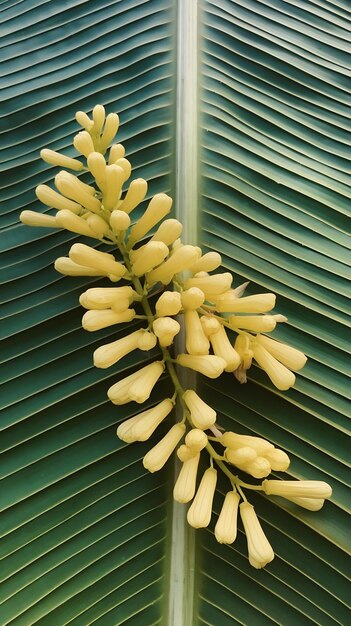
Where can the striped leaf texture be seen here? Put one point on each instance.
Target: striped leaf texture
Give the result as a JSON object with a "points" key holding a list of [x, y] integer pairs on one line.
{"points": [[87, 534]]}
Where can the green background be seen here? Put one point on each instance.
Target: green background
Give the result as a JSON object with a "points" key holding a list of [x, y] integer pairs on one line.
{"points": [[86, 532]]}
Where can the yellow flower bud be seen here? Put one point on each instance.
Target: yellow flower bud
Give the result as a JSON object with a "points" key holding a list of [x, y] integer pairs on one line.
{"points": [[288, 356], [196, 440], [226, 527], [192, 298], [114, 182], [83, 143], [126, 167], [169, 303], [84, 120], [96, 320], [213, 285], [51, 198], [55, 158], [259, 548], [297, 488], [207, 263], [179, 261], [185, 486], [110, 130], [258, 468], [311, 504], [70, 187], [168, 231], [120, 305], [66, 266], [153, 254], [235, 441], [106, 263], [255, 323], [111, 353], [119, 393], [104, 297], [31, 218], [98, 225], [210, 365], [202, 415], [119, 221], [156, 458], [147, 340], [74, 223], [157, 208], [135, 194], [99, 118], [184, 453], [195, 339], [141, 426], [117, 151], [165, 329], [259, 303], [278, 460], [241, 456], [210, 325], [140, 390], [199, 513], [280, 375], [97, 166], [223, 348]]}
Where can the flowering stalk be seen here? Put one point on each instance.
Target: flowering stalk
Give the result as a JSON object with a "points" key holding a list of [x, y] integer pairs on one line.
{"points": [[198, 299]]}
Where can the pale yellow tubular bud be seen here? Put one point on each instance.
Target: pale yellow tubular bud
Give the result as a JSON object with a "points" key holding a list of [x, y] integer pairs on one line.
{"points": [[66, 266], [111, 353], [297, 488], [241, 456], [119, 221], [178, 244], [74, 190], [109, 132], [311, 504], [124, 430], [209, 365], [214, 285], [165, 329], [125, 165], [31, 218], [106, 263], [74, 223], [84, 120], [255, 323], [234, 441], [140, 390], [192, 298], [156, 458], [104, 297], [168, 231], [202, 415], [153, 254], [98, 118], [114, 182], [120, 305], [97, 166], [113, 278], [55, 158], [98, 225], [119, 392], [259, 303], [147, 340], [135, 194], [243, 347], [207, 263], [223, 348], [51, 198], [200, 511], [96, 320], [258, 468], [117, 151], [185, 486], [135, 255], [184, 453], [156, 210], [196, 440], [178, 262], [77, 182], [290, 357], [83, 143], [259, 549], [169, 303], [149, 420], [196, 341], [281, 376], [210, 324], [226, 527], [278, 459]]}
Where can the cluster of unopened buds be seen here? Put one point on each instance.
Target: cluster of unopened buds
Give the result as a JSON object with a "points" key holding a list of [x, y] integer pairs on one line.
{"points": [[203, 304]]}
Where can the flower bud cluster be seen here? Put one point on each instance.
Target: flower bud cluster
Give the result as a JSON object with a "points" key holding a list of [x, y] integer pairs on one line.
{"points": [[203, 305]]}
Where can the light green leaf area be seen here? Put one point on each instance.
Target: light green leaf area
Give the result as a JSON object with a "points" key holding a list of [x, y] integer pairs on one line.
{"points": [[88, 536]]}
